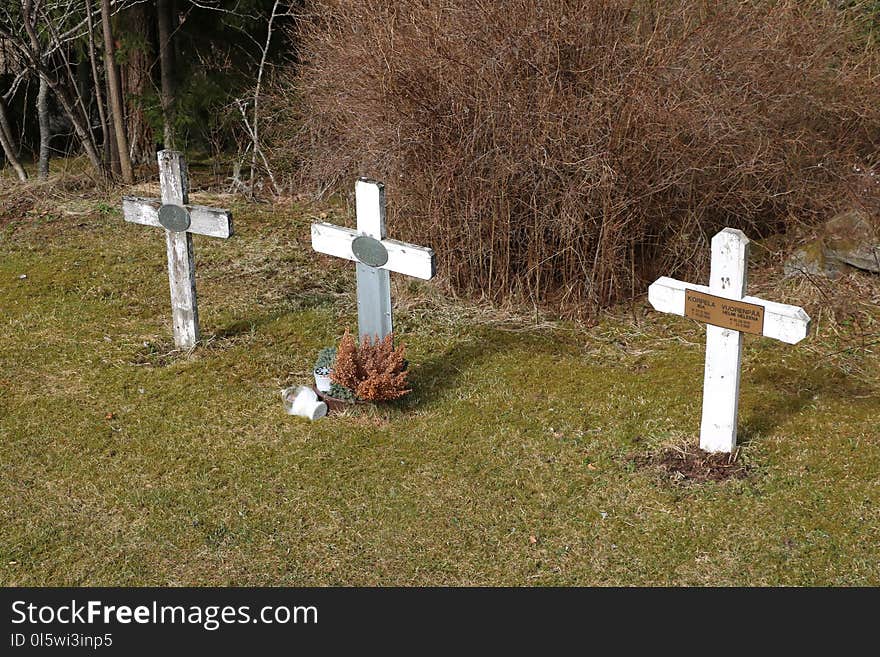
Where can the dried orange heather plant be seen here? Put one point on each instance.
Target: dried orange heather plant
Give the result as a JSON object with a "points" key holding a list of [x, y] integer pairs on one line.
{"points": [[374, 371]]}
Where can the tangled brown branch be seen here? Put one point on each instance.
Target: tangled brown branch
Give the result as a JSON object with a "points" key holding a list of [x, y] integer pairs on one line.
{"points": [[567, 152]]}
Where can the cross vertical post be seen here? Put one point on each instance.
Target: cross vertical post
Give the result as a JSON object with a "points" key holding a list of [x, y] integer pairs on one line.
{"points": [[179, 220], [181, 260], [727, 278], [728, 313], [376, 257], [373, 284]]}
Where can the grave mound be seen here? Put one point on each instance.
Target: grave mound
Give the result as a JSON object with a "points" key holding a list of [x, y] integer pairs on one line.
{"points": [[693, 464]]}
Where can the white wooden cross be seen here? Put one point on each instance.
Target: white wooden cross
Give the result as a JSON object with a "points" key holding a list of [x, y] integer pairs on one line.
{"points": [[180, 221], [724, 306], [375, 257]]}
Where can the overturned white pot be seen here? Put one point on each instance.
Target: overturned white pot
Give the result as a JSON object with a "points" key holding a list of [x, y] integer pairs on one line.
{"points": [[303, 401]]}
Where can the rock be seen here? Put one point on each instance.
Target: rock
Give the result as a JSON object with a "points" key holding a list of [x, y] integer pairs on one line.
{"points": [[847, 240], [811, 260], [851, 238]]}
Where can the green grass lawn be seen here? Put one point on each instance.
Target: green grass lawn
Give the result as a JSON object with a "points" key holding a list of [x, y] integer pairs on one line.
{"points": [[123, 462]]}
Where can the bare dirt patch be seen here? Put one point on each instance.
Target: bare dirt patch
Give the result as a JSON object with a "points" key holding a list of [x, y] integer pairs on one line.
{"points": [[691, 463], [15, 209]]}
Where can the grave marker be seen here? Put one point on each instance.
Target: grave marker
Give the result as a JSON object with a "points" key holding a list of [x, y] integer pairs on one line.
{"points": [[375, 257], [180, 221], [728, 313]]}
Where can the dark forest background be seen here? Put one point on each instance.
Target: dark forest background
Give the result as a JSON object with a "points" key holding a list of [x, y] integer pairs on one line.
{"points": [[115, 81]]}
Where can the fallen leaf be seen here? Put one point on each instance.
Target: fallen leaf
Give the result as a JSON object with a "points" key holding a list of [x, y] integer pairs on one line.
{"points": [[590, 466], [533, 539]]}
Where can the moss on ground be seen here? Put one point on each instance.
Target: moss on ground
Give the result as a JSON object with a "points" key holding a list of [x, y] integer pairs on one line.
{"points": [[126, 463]]}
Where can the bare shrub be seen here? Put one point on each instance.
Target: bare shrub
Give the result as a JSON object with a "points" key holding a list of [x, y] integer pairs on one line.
{"points": [[567, 151]]}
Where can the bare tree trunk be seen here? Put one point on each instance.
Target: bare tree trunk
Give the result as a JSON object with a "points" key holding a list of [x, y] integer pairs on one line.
{"points": [[8, 144], [75, 89], [115, 95], [68, 103], [165, 9], [102, 115], [45, 135], [255, 126], [136, 79], [79, 127], [111, 138]]}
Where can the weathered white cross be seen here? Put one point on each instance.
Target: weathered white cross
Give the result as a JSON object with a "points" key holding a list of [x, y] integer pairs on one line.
{"points": [[728, 313], [180, 221], [375, 257]]}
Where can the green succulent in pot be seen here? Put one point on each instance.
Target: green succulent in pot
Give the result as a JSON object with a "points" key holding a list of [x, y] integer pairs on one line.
{"points": [[342, 393]]}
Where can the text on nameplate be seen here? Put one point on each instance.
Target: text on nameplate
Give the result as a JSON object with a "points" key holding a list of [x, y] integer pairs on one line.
{"points": [[726, 313]]}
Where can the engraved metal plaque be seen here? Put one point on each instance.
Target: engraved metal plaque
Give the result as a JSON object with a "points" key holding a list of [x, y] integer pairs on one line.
{"points": [[726, 313], [369, 251], [174, 217]]}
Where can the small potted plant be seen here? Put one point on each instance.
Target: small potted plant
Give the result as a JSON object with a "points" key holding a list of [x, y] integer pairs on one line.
{"points": [[372, 371], [324, 368]]}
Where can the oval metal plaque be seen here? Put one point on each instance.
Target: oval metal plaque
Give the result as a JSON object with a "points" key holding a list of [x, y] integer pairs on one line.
{"points": [[369, 251], [174, 217]]}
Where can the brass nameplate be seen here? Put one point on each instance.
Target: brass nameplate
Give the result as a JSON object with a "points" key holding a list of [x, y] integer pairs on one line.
{"points": [[726, 313]]}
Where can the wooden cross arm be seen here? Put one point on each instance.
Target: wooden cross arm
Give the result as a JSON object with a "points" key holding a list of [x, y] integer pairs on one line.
{"points": [[403, 258], [205, 221], [789, 324]]}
